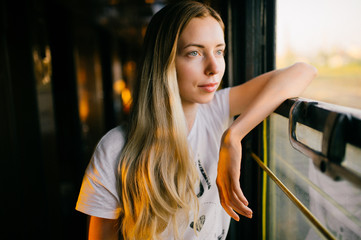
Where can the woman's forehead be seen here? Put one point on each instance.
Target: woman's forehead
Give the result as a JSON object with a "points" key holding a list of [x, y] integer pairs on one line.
{"points": [[201, 31]]}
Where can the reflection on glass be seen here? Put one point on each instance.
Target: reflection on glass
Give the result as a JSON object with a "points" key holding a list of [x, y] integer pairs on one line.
{"points": [[336, 204], [326, 34], [123, 91], [124, 76], [352, 158], [90, 90], [43, 75], [285, 220]]}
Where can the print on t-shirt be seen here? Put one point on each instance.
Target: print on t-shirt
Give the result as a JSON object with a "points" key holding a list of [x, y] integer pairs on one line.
{"points": [[222, 235], [202, 219], [200, 223], [206, 179]]}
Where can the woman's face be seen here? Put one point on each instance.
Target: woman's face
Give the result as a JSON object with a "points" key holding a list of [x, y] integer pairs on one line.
{"points": [[200, 60]]}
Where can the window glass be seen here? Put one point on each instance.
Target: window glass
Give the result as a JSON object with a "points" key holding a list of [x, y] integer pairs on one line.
{"points": [[285, 220], [335, 203], [326, 34]]}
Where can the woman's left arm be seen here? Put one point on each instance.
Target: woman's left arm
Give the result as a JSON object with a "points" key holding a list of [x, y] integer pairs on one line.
{"points": [[254, 101]]}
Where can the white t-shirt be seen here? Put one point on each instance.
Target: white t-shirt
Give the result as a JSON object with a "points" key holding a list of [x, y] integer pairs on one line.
{"points": [[98, 195]]}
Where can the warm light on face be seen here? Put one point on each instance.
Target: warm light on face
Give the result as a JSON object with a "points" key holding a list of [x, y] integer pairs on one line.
{"points": [[200, 61]]}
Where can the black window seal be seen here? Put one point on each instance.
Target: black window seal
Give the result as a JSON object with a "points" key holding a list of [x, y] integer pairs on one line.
{"points": [[339, 126], [315, 116]]}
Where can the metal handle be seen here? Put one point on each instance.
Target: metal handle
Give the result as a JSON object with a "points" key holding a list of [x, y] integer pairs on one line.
{"points": [[330, 158], [318, 158]]}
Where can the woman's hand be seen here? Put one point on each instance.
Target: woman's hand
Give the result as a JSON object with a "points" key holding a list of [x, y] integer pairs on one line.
{"points": [[228, 175]]}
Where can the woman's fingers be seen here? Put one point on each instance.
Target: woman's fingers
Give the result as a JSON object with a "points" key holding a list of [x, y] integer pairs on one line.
{"points": [[226, 207], [238, 191], [239, 201], [232, 199]]}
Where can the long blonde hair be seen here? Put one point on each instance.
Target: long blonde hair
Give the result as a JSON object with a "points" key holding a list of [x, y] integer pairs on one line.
{"points": [[157, 175]]}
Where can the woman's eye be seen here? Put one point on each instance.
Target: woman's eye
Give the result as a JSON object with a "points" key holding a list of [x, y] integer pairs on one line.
{"points": [[220, 52], [193, 54]]}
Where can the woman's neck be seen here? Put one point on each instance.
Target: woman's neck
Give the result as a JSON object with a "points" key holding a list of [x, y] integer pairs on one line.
{"points": [[190, 113]]}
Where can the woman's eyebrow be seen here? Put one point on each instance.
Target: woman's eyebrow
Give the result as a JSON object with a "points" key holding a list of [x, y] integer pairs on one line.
{"points": [[202, 46], [194, 45]]}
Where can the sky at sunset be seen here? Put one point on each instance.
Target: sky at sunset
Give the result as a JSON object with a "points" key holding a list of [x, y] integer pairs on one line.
{"points": [[308, 26]]}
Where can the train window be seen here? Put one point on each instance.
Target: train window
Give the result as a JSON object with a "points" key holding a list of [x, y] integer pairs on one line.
{"points": [[319, 173], [325, 34], [312, 145], [334, 203]]}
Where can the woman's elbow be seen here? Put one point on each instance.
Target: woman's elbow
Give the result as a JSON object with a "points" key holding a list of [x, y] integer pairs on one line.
{"points": [[308, 71], [304, 73]]}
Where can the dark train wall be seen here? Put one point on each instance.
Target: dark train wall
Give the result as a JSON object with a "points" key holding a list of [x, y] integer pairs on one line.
{"points": [[28, 181], [65, 76], [66, 73]]}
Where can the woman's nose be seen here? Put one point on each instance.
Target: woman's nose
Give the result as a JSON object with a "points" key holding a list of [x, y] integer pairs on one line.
{"points": [[212, 67]]}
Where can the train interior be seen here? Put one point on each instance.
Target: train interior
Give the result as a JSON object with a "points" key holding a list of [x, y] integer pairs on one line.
{"points": [[67, 69]]}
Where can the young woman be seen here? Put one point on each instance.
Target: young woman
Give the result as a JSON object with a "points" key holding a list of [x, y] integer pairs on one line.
{"points": [[174, 174]]}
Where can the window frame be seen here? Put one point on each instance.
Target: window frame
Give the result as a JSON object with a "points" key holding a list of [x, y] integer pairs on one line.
{"points": [[250, 36]]}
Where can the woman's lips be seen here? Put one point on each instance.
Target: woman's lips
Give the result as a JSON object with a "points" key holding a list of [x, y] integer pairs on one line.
{"points": [[210, 87]]}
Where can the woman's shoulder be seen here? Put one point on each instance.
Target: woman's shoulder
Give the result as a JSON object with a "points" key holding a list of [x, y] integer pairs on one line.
{"points": [[108, 149], [98, 195], [114, 138]]}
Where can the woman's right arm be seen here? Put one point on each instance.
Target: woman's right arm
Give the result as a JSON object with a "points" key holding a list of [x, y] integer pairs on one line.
{"points": [[103, 229]]}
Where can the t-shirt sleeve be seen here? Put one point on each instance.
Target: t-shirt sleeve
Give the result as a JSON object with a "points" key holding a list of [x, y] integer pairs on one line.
{"points": [[98, 194]]}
